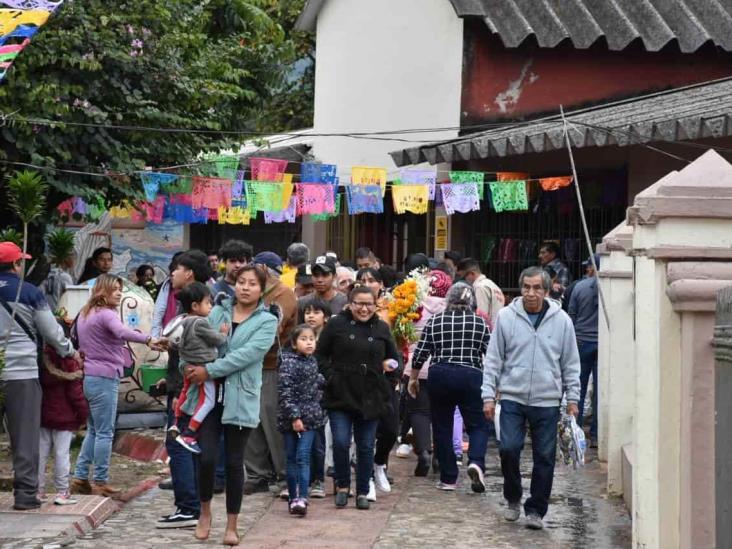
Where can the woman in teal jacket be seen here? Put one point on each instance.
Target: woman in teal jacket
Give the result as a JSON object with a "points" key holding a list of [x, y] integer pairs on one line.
{"points": [[252, 331]]}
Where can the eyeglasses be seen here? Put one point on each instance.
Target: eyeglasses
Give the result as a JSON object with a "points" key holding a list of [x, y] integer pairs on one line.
{"points": [[362, 305]]}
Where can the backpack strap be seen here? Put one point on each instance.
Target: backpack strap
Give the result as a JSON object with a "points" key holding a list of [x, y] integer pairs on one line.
{"points": [[18, 320]]}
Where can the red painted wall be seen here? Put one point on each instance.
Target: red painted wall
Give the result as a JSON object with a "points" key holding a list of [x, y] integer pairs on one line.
{"points": [[514, 83]]}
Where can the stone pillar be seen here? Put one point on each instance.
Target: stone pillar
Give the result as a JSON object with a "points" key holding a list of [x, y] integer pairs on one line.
{"points": [[616, 361], [723, 415], [682, 248]]}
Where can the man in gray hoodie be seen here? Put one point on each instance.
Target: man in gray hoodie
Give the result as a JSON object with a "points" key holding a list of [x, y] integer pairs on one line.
{"points": [[532, 360]]}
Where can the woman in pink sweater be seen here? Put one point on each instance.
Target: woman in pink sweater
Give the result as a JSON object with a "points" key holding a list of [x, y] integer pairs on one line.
{"points": [[101, 341]]}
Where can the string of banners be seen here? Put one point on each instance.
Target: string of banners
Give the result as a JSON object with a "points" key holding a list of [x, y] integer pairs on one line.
{"points": [[227, 196]]}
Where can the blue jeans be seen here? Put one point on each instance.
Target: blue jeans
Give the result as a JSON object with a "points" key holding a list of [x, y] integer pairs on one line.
{"points": [[342, 424], [297, 452], [588, 361], [182, 468], [452, 385], [102, 394], [317, 467], [543, 425]]}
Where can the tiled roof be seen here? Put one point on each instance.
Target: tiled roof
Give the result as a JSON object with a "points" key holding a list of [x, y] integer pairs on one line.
{"points": [[693, 112], [655, 23]]}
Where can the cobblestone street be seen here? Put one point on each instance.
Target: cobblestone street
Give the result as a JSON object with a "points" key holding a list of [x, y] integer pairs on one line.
{"points": [[415, 515]]}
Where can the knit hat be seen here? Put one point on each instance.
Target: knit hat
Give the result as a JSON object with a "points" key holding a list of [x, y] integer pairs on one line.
{"points": [[440, 283]]}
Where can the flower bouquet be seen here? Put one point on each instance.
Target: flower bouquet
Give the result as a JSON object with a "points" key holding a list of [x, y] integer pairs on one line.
{"points": [[405, 306]]}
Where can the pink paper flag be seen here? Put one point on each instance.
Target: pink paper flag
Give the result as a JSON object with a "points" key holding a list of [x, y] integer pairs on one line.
{"points": [[315, 198], [267, 169], [211, 192]]}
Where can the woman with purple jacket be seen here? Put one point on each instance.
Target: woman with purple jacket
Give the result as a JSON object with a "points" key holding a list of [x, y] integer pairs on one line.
{"points": [[101, 341]]}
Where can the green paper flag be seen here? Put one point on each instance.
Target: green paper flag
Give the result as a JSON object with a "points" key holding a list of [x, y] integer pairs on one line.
{"points": [[469, 177]]}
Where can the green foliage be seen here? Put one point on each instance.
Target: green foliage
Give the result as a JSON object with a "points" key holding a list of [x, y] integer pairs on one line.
{"points": [[60, 246], [27, 195], [190, 64], [11, 235]]}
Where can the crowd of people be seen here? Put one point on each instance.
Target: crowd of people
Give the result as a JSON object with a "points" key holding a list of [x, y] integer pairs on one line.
{"points": [[284, 372]]}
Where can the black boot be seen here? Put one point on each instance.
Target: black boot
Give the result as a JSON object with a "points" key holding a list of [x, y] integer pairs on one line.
{"points": [[423, 464]]}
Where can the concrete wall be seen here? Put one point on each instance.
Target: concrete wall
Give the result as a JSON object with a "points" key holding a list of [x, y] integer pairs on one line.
{"points": [[383, 65]]}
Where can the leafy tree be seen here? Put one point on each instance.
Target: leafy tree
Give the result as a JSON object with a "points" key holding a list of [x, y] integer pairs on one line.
{"points": [[190, 64]]}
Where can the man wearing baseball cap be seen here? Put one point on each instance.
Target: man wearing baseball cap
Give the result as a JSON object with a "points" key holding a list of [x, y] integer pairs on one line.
{"points": [[23, 325], [323, 275]]}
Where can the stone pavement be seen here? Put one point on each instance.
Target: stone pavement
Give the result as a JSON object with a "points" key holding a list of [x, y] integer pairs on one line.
{"points": [[415, 515]]}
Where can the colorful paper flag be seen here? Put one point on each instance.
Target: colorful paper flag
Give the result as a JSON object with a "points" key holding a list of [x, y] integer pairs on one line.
{"points": [[314, 172], [264, 196], [10, 19], [460, 197], [267, 169], [554, 183], [509, 196], [419, 176], [287, 215], [469, 177], [512, 176], [364, 199], [410, 198], [366, 175], [211, 192], [226, 166], [315, 198], [326, 216]]}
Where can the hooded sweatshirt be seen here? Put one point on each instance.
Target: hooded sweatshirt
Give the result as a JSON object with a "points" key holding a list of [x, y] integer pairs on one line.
{"points": [[532, 366]]}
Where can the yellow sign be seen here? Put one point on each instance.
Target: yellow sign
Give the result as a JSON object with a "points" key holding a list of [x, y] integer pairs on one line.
{"points": [[440, 232]]}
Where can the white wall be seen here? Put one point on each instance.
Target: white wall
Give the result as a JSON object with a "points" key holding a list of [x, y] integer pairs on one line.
{"points": [[383, 65]]}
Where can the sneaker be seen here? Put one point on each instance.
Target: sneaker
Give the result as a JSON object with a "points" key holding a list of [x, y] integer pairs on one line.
{"points": [[341, 498], [42, 497], [403, 450], [446, 486], [534, 522], [362, 502], [189, 443], [477, 484], [179, 519], [105, 490], [63, 498], [285, 494], [317, 490], [371, 496], [512, 512], [382, 483], [298, 507], [173, 431], [166, 484]]}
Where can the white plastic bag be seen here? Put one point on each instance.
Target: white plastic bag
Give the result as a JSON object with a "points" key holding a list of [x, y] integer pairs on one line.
{"points": [[497, 421], [571, 441]]}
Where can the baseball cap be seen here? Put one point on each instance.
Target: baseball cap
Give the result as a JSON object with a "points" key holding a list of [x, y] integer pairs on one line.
{"points": [[270, 259], [324, 264], [588, 261], [10, 253], [304, 274]]}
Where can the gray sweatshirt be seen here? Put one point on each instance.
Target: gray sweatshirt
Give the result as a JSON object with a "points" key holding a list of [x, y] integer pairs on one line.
{"points": [[200, 341], [531, 366], [583, 309]]}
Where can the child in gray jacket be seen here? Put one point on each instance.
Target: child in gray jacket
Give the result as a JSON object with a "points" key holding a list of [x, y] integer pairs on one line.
{"points": [[198, 344]]}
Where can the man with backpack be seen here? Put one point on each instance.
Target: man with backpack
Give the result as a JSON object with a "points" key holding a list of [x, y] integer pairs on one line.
{"points": [[25, 321]]}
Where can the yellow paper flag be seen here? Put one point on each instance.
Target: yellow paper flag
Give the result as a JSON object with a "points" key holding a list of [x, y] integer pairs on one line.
{"points": [[10, 19], [287, 188], [234, 216], [366, 175], [122, 211], [410, 198]]}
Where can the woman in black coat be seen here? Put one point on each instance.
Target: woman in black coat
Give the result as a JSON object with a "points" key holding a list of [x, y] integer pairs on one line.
{"points": [[353, 351]]}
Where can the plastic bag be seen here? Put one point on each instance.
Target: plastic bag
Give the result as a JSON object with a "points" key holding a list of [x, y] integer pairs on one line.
{"points": [[497, 421], [571, 442]]}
